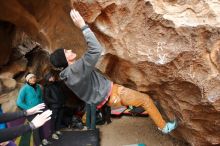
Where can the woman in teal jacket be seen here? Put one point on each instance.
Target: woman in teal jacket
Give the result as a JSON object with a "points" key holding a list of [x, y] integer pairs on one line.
{"points": [[29, 96]]}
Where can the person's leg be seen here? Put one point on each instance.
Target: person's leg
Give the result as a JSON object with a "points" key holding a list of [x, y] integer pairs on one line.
{"points": [[88, 116], [36, 133], [45, 133], [107, 113], [93, 116], [53, 120], [41, 133], [122, 96], [59, 119]]}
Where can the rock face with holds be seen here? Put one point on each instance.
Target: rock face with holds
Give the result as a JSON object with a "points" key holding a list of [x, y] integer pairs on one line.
{"points": [[166, 48]]}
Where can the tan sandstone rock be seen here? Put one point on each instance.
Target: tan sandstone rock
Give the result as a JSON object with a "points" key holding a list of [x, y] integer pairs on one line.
{"points": [[166, 48]]}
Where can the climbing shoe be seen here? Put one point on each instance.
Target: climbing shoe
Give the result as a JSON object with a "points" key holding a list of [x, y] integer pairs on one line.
{"points": [[170, 126]]}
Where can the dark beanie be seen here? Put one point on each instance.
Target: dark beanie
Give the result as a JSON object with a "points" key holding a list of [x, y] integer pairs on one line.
{"points": [[58, 58]]}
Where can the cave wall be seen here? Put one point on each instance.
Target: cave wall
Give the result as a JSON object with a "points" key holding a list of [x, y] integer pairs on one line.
{"points": [[7, 31], [166, 48], [46, 22]]}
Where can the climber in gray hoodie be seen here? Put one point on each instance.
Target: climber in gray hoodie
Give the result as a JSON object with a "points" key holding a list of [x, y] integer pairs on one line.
{"points": [[94, 88]]}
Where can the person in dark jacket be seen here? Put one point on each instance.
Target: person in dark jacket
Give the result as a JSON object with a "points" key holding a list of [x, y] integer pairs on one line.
{"points": [[54, 99], [13, 132], [94, 88]]}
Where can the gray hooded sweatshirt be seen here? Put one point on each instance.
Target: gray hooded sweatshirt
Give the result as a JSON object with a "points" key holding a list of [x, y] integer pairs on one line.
{"points": [[82, 78]]}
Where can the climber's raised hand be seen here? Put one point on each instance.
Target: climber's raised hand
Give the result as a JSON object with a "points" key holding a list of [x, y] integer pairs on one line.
{"points": [[77, 18]]}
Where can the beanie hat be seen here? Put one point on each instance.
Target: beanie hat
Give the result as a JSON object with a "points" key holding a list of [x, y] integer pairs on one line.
{"points": [[28, 76], [58, 58]]}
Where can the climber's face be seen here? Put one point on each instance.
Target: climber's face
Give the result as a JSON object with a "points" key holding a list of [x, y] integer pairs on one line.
{"points": [[70, 56]]}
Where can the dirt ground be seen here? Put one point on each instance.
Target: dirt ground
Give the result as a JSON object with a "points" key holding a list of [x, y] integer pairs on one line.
{"points": [[133, 130]]}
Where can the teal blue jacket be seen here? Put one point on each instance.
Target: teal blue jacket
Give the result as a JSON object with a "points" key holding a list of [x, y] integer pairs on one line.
{"points": [[28, 97]]}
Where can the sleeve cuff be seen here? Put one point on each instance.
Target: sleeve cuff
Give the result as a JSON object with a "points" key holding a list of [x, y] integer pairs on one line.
{"points": [[32, 125], [84, 27], [25, 113]]}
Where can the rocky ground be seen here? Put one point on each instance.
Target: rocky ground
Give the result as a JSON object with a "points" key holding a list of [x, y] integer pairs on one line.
{"points": [[133, 130]]}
